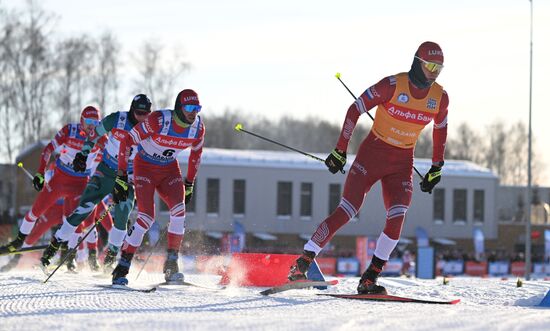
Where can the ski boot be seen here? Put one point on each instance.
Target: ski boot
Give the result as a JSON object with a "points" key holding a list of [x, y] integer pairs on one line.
{"points": [[122, 269], [171, 269], [69, 256], [110, 259], [49, 252], [367, 283], [14, 245], [92, 260], [299, 269], [11, 264]]}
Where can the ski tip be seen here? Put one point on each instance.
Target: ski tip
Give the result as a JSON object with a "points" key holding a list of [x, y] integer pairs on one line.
{"points": [[454, 302]]}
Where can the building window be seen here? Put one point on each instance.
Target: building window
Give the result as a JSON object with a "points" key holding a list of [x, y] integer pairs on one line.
{"points": [[479, 205], [239, 194], [439, 205], [334, 195], [284, 198], [459, 205], [212, 196], [306, 198]]}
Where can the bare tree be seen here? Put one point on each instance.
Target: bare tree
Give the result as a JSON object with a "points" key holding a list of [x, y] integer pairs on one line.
{"points": [[516, 171], [105, 80], [466, 144], [495, 156], [158, 75], [73, 63], [28, 71], [423, 148], [221, 133]]}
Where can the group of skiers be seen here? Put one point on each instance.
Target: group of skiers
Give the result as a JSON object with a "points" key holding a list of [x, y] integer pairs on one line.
{"points": [[132, 154]]}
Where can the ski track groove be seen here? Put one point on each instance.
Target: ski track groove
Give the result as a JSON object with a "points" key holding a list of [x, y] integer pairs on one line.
{"points": [[72, 302]]}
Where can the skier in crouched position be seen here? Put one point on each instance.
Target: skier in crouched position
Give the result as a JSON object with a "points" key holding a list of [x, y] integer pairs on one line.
{"points": [[114, 128], [65, 182], [406, 102], [159, 139]]}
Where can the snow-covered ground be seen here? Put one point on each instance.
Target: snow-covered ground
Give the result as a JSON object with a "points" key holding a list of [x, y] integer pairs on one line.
{"points": [[74, 302]]}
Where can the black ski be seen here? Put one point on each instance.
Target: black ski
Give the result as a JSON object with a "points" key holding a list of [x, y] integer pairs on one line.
{"points": [[297, 285], [189, 284], [24, 250], [389, 298], [128, 288]]}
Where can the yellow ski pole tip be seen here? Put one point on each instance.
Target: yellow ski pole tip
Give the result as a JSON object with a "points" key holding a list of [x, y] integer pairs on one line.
{"points": [[238, 127], [20, 164], [337, 75]]}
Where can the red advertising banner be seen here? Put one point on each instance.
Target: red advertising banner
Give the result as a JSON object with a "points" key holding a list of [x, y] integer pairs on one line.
{"points": [[327, 265], [517, 268], [361, 251], [476, 268]]}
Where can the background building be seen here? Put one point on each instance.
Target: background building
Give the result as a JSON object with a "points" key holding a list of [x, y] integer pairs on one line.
{"points": [[277, 199]]}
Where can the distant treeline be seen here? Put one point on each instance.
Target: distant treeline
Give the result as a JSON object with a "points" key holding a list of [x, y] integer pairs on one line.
{"points": [[500, 147], [46, 79]]}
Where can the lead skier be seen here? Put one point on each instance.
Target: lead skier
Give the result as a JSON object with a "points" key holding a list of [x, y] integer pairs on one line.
{"points": [[406, 102], [116, 127]]}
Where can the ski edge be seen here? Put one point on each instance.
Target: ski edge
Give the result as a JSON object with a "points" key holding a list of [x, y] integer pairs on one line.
{"points": [[25, 250], [128, 288], [191, 285], [389, 298], [297, 285]]}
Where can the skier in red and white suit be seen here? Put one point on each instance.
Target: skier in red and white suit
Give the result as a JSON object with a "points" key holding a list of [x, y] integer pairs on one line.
{"points": [[159, 139], [406, 102], [65, 183]]}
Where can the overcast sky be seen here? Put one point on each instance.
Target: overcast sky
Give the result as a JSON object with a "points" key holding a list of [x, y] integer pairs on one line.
{"points": [[279, 57]]}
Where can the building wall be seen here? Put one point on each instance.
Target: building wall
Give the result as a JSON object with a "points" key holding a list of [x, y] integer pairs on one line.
{"points": [[7, 192], [261, 203]]}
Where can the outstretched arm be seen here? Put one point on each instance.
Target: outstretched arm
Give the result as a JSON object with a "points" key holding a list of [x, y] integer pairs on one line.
{"points": [[440, 131], [57, 141], [379, 93]]}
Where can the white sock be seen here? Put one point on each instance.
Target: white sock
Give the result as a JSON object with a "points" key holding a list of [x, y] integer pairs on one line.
{"points": [[384, 246]]}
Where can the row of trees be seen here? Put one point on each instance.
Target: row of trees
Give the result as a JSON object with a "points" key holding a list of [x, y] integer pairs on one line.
{"points": [[44, 79], [499, 147]]}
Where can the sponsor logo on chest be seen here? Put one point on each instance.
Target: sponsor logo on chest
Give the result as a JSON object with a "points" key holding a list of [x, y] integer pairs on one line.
{"points": [[403, 98], [431, 104], [74, 143], [119, 134], [410, 116], [166, 141]]}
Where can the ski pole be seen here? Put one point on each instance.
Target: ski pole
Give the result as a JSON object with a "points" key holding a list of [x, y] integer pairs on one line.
{"points": [[26, 249], [161, 237], [239, 127], [372, 118], [20, 165], [74, 249]]}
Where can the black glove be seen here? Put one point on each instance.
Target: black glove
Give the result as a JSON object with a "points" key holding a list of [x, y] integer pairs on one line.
{"points": [[431, 179], [79, 162], [38, 181], [336, 161], [188, 191], [120, 190]]}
